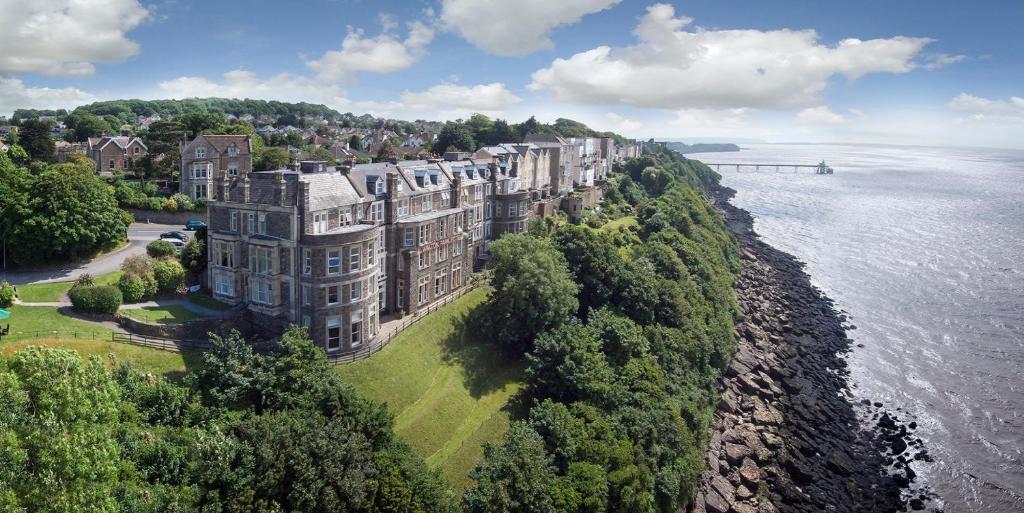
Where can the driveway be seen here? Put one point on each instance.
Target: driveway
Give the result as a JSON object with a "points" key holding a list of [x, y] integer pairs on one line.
{"points": [[139, 234]]}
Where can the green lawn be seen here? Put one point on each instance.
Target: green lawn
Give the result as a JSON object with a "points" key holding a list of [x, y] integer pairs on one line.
{"points": [[168, 314], [52, 292], [42, 321], [447, 389], [627, 222], [208, 302], [165, 363]]}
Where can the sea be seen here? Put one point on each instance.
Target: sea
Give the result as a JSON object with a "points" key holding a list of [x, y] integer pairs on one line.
{"points": [[924, 249]]}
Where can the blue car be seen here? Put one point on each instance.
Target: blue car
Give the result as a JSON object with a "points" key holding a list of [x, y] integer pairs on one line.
{"points": [[194, 224]]}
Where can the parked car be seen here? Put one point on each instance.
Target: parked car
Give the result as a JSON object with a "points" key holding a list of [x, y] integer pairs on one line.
{"points": [[194, 224], [177, 243], [174, 235]]}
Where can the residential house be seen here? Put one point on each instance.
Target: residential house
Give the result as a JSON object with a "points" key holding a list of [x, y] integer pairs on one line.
{"points": [[115, 154], [207, 156]]}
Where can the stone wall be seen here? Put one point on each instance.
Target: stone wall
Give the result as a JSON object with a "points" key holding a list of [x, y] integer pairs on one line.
{"points": [[143, 216]]}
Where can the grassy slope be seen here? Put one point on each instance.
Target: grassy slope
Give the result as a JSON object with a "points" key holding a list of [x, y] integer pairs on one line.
{"points": [[447, 390], [166, 363], [29, 321], [627, 221], [52, 292], [169, 314]]}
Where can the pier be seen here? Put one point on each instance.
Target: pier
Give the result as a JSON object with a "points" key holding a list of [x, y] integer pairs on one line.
{"points": [[818, 169]]}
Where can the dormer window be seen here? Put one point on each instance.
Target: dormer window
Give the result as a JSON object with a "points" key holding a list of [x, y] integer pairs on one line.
{"points": [[135, 150], [233, 150], [200, 153], [470, 173], [434, 178]]}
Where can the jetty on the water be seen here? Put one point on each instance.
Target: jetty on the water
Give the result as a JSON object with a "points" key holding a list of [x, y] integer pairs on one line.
{"points": [[819, 169]]}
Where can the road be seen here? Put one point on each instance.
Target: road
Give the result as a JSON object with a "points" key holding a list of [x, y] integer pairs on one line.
{"points": [[139, 234]]}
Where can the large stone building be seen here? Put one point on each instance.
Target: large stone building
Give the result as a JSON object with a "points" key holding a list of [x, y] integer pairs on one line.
{"points": [[207, 156], [335, 248], [115, 154]]}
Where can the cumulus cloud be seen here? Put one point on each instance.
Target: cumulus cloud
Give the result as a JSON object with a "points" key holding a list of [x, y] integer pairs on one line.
{"points": [[675, 68], [384, 53], [246, 84], [515, 28], [981, 108], [14, 94], [66, 37], [937, 61], [623, 124], [446, 101], [821, 115], [711, 121]]}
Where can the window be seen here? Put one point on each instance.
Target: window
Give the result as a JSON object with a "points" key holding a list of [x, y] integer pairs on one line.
{"points": [[403, 208], [234, 221], [333, 261], [353, 259], [357, 329], [261, 292], [401, 262], [110, 164], [442, 253], [380, 296], [356, 291], [424, 233], [307, 262], [489, 190], [333, 334], [225, 254], [490, 210], [199, 191], [305, 294], [262, 227], [260, 259], [478, 192], [225, 285], [250, 223], [369, 254], [377, 211], [427, 203], [456, 275], [457, 248], [332, 295], [424, 259], [410, 237], [511, 209], [305, 321], [438, 283], [344, 218], [442, 227], [423, 284], [232, 150], [319, 223], [445, 199], [233, 170], [401, 294], [200, 153], [379, 186], [199, 172], [135, 150]]}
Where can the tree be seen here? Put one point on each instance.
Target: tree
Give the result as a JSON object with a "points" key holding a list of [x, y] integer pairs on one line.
{"points": [[567, 365], [35, 138], [270, 158], [530, 126], [533, 290], [386, 151], [163, 157], [454, 136], [514, 477], [84, 125], [502, 132], [355, 143], [201, 122]]}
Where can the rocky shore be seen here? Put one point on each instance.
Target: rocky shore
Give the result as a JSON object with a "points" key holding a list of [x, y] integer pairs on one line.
{"points": [[787, 436]]}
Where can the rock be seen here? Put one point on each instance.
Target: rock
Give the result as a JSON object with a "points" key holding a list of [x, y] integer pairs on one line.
{"points": [[742, 507], [743, 493], [715, 503], [916, 504], [724, 488], [750, 473], [698, 504], [840, 463], [735, 453], [898, 446]]}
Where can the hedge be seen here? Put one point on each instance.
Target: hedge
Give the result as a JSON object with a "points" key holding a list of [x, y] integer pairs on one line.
{"points": [[136, 287], [160, 248], [6, 295], [169, 274], [95, 299]]}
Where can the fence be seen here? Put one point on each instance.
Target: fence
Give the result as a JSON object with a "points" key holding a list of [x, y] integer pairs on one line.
{"points": [[385, 337], [166, 344], [76, 334]]}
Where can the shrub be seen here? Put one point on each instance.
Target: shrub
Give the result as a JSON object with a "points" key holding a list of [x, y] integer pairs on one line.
{"points": [[132, 288], [160, 249], [170, 205], [155, 204], [6, 295], [95, 299], [183, 202], [193, 257], [137, 264], [169, 274], [85, 280]]}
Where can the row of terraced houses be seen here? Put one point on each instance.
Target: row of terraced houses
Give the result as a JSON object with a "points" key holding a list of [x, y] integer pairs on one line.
{"points": [[336, 248]]}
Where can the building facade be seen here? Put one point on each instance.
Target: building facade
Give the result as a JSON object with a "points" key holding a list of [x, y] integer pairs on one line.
{"points": [[115, 154], [207, 156]]}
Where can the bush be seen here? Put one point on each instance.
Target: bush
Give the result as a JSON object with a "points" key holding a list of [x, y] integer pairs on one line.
{"points": [[184, 202], [169, 274], [131, 287], [160, 249], [85, 280], [95, 299], [6, 295], [170, 205], [154, 204]]}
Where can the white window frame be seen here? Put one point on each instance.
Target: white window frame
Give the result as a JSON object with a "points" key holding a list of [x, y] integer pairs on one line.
{"points": [[250, 219], [200, 153], [336, 289], [225, 285], [355, 292], [261, 225], [233, 223], [329, 324], [319, 223], [307, 261], [403, 207], [354, 258], [377, 211], [356, 329], [336, 266], [400, 298], [199, 191]]}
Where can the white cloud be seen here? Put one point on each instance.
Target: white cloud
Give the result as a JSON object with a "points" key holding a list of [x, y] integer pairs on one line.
{"points": [[515, 28], [821, 115], [856, 112], [934, 62], [446, 101], [246, 84], [981, 108], [383, 53], [622, 124], [675, 68], [15, 95], [66, 37], [713, 122]]}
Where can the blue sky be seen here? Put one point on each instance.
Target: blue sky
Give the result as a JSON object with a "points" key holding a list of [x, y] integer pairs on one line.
{"points": [[939, 72]]}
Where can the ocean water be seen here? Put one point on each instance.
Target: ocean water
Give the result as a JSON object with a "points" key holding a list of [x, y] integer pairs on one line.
{"points": [[924, 248]]}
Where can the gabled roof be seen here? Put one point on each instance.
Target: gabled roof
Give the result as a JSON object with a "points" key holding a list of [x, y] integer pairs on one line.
{"points": [[329, 189], [221, 142], [544, 138], [120, 141]]}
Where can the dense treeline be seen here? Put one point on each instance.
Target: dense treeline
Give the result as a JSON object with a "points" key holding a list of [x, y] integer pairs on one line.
{"points": [[480, 130], [130, 109], [624, 334], [248, 432]]}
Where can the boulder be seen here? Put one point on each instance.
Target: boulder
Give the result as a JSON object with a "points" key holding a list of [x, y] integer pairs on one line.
{"points": [[750, 473], [742, 507], [714, 503], [724, 488], [735, 453]]}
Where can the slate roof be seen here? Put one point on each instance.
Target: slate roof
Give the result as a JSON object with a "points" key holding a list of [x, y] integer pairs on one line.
{"points": [[220, 142], [329, 189]]}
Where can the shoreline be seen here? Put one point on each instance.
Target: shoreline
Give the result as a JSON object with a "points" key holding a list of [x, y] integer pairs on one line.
{"points": [[788, 435]]}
